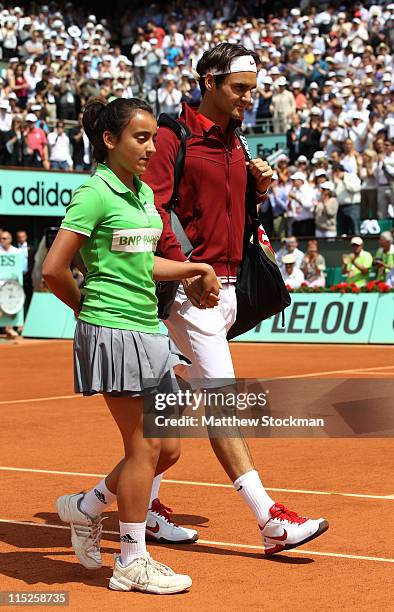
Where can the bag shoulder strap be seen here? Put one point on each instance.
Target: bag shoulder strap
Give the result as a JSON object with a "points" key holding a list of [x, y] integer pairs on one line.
{"points": [[244, 144], [183, 133], [250, 196]]}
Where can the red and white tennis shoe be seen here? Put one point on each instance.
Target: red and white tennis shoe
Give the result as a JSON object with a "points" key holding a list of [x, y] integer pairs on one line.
{"points": [[286, 530], [161, 528]]}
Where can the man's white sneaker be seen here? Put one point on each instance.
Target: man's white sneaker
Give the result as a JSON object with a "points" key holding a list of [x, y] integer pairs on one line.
{"points": [[161, 528], [85, 530], [286, 530], [145, 574]]}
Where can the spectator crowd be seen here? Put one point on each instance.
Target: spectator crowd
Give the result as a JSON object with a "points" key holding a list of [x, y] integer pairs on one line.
{"points": [[326, 81], [358, 268]]}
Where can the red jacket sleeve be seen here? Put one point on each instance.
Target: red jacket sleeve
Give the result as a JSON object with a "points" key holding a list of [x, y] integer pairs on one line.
{"points": [[160, 178]]}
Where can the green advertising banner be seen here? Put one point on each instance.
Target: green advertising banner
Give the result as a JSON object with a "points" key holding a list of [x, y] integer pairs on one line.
{"points": [[37, 193], [321, 318], [326, 317], [383, 327], [264, 145]]}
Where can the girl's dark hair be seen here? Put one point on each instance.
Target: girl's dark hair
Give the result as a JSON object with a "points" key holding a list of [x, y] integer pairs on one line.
{"points": [[220, 58], [100, 116]]}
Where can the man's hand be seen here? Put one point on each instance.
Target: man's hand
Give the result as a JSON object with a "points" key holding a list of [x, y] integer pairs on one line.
{"points": [[195, 288], [262, 172]]}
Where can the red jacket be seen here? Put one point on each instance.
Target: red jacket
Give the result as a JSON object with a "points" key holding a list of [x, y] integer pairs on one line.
{"points": [[211, 205]]}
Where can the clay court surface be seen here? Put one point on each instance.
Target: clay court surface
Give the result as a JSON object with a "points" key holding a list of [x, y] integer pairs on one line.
{"points": [[53, 442]]}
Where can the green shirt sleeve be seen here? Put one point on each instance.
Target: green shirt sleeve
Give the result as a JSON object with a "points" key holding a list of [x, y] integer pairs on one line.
{"points": [[367, 260], [85, 211]]}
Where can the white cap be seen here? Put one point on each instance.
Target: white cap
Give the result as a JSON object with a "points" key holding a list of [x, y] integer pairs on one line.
{"points": [[275, 70], [302, 159], [74, 31], [313, 85], [315, 110], [298, 176], [31, 117], [289, 259], [387, 77], [282, 81], [357, 240], [296, 85], [327, 185], [320, 172], [318, 155], [266, 80], [4, 104], [295, 12]]}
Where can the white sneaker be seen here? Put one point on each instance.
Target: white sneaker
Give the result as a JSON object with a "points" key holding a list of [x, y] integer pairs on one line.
{"points": [[286, 530], [161, 528], [85, 530], [145, 574]]}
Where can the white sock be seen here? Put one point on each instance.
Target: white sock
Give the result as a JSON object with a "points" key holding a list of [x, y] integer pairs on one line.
{"points": [[154, 494], [97, 499], [132, 541], [251, 488]]}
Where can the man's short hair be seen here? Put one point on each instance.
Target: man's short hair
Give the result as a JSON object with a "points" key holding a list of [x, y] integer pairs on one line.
{"points": [[220, 58]]}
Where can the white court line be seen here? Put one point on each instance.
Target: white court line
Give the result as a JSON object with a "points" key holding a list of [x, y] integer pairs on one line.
{"points": [[352, 371], [199, 484], [310, 375], [42, 399], [214, 543]]}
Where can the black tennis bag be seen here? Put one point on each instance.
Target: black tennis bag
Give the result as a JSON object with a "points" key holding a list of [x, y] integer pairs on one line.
{"points": [[260, 289]]}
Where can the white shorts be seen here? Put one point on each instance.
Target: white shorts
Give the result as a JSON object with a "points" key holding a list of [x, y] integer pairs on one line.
{"points": [[201, 336]]}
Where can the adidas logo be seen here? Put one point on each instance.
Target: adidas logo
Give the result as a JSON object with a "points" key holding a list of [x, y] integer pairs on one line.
{"points": [[128, 539], [100, 496], [240, 488]]}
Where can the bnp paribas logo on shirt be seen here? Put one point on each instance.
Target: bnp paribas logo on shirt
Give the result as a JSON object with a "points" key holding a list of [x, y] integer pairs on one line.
{"points": [[135, 240]]}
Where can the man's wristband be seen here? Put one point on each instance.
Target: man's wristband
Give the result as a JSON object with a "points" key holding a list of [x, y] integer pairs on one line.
{"points": [[261, 195]]}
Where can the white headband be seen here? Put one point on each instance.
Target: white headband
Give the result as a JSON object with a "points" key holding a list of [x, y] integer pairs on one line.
{"points": [[244, 63]]}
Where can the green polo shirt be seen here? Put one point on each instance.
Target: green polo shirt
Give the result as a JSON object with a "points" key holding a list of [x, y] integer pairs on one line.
{"points": [[355, 275], [122, 230], [388, 259]]}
